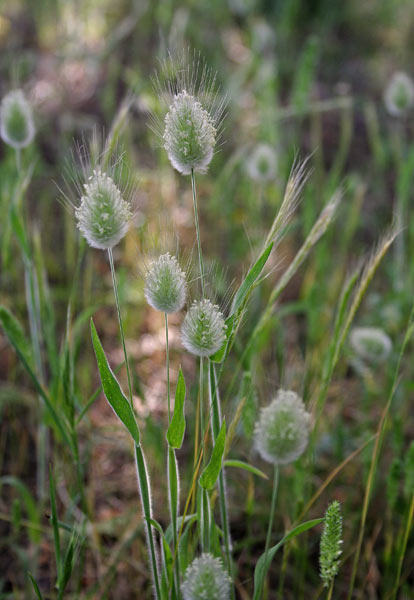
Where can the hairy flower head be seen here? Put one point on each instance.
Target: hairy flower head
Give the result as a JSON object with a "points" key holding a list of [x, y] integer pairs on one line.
{"points": [[371, 343], [165, 284], [203, 329], [282, 431], [103, 215], [206, 579], [331, 542], [399, 94], [192, 113], [16, 120], [262, 163]]}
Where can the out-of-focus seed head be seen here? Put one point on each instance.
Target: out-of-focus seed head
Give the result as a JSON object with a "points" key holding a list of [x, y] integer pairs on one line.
{"points": [[203, 329], [371, 344], [262, 164], [206, 579], [103, 215], [399, 94], [189, 135], [282, 431], [165, 284], [191, 112], [16, 120], [331, 542]]}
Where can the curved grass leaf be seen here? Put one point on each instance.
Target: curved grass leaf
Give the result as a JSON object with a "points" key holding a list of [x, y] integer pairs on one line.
{"points": [[249, 280], [239, 464], [265, 560], [35, 587], [176, 429], [210, 474], [112, 389]]}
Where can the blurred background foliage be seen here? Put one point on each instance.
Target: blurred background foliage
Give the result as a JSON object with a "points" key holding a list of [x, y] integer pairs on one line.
{"points": [[305, 78]]}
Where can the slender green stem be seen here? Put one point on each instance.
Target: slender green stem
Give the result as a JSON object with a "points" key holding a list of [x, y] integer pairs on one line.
{"points": [[143, 480], [215, 428], [121, 327], [272, 514], [330, 590], [18, 159], [408, 525], [167, 353], [205, 507], [200, 254]]}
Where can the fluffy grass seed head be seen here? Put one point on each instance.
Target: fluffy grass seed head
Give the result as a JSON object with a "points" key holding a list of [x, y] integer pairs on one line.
{"points": [[203, 331], [282, 431], [16, 120], [262, 163], [331, 542], [206, 579], [165, 284], [103, 215], [371, 344], [192, 112], [399, 94]]}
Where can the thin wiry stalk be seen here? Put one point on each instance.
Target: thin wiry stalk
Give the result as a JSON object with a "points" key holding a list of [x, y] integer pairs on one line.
{"points": [[272, 514], [200, 254], [167, 356], [143, 480], [407, 531], [376, 452]]}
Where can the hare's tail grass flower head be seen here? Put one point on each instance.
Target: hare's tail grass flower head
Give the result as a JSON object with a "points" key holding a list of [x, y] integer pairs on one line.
{"points": [[204, 330], [371, 344], [16, 120], [165, 284], [206, 579], [399, 94], [331, 542], [262, 163], [100, 196], [190, 123], [282, 431]]}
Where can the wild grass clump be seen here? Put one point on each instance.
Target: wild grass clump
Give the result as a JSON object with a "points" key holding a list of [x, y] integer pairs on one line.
{"points": [[212, 360]]}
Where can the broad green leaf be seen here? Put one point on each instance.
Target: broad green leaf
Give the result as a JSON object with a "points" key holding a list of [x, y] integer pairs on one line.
{"points": [[249, 280], [176, 429], [112, 389], [239, 464], [209, 476], [264, 561]]}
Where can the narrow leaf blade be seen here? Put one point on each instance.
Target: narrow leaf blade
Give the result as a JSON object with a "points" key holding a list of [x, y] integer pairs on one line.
{"points": [[249, 280], [112, 389], [176, 429], [239, 464], [210, 474]]}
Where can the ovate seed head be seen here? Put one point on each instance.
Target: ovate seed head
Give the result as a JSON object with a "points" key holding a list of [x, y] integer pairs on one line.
{"points": [[165, 284], [103, 215], [399, 95], [189, 135], [17, 127], [371, 343], [206, 579], [262, 164], [282, 432], [203, 330]]}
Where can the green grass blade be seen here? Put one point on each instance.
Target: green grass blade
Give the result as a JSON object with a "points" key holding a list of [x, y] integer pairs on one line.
{"points": [[35, 587], [112, 389], [55, 525], [239, 464], [176, 429], [210, 474], [261, 566]]}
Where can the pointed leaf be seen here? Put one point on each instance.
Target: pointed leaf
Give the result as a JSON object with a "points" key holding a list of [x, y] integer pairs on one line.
{"points": [[264, 561], [112, 389], [249, 280], [35, 587], [209, 476], [242, 465], [176, 429]]}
